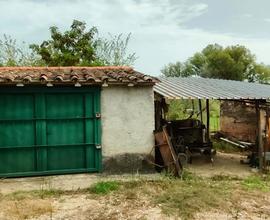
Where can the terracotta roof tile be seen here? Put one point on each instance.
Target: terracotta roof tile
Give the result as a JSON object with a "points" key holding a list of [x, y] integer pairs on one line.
{"points": [[117, 75]]}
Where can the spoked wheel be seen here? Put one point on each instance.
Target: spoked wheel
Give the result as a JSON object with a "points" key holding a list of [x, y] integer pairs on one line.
{"points": [[183, 158]]}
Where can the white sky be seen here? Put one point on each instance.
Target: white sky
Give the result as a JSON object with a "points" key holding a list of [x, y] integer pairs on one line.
{"points": [[163, 31]]}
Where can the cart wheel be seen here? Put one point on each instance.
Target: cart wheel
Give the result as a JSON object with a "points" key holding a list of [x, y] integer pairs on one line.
{"points": [[183, 159]]}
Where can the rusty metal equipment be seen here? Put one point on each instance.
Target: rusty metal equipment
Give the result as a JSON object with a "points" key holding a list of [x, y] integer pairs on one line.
{"points": [[189, 136]]}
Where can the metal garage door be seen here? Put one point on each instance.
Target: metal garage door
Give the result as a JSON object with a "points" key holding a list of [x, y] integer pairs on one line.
{"points": [[49, 131]]}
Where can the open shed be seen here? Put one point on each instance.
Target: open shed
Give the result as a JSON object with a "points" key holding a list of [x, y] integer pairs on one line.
{"points": [[56, 120], [203, 89]]}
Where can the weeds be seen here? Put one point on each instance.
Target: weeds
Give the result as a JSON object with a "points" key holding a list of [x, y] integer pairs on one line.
{"points": [[177, 197], [256, 182], [41, 194], [26, 208], [104, 187], [221, 177], [224, 146], [186, 198]]}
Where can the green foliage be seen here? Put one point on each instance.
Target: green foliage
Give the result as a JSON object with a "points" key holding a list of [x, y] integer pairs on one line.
{"points": [[75, 47], [12, 54], [224, 146], [81, 47], [104, 187], [178, 69], [113, 50], [214, 61], [257, 182], [259, 73], [226, 63], [181, 109]]}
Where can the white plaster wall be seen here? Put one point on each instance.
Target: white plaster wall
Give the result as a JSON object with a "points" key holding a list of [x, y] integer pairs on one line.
{"points": [[127, 118]]}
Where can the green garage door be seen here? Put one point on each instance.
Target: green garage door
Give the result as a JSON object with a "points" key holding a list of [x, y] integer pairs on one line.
{"points": [[50, 131]]}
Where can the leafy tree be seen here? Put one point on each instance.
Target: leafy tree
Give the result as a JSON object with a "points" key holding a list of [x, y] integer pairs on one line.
{"points": [[226, 63], [75, 47], [259, 73], [79, 47], [12, 54], [113, 51], [214, 61], [178, 69]]}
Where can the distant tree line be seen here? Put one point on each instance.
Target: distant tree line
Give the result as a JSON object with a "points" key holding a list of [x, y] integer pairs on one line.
{"points": [[215, 61], [74, 47]]}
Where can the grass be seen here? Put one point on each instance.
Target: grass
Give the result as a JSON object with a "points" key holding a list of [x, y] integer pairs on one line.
{"points": [[40, 194], [191, 195], [224, 146], [26, 208], [104, 187], [176, 197], [257, 182], [225, 178]]}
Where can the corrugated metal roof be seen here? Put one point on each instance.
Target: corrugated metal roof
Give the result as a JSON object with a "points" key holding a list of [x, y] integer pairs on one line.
{"points": [[204, 88]]}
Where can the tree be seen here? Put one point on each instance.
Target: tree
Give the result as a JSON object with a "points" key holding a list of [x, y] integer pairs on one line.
{"points": [[12, 54], [79, 47], [178, 69], [75, 47], [259, 73], [225, 63], [113, 51], [214, 61]]}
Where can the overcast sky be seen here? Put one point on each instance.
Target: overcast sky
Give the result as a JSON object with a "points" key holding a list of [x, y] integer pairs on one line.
{"points": [[163, 31]]}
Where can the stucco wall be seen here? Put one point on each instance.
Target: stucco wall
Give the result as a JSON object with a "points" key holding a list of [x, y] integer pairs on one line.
{"points": [[127, 118]]}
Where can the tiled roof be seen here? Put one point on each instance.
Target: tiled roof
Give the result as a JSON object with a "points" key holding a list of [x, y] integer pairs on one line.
{"points": [[117, 75]]}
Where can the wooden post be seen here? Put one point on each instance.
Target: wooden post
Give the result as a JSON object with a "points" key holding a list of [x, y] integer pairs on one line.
{"points": [[207, 120], [200, 109], [259, 135]]}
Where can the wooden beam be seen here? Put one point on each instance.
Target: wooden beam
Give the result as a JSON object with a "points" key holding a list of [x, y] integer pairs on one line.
{"points": [[200, 109], [259, 135], [207, 120]]}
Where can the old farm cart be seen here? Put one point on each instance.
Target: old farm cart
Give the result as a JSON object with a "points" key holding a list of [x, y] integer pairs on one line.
{"points": [[215, 89], [49, 130]]}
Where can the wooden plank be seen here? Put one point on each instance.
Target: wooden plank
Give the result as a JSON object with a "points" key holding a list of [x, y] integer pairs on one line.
{"points": [[259, 135], [168, 153]]}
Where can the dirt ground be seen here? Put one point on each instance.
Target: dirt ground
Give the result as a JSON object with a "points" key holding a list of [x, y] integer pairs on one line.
{"points": [[224, 164], [128, 202]]}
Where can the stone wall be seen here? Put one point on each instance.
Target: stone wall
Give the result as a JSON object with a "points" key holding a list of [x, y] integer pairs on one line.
{"points": [[238, 120]]}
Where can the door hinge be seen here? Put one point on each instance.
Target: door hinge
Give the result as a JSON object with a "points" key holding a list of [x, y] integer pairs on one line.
{"points": [[98, 115]]}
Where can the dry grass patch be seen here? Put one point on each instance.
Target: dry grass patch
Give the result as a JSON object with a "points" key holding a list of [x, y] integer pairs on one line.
{"points": [[169, 197], [165, 198], [25, 208]]}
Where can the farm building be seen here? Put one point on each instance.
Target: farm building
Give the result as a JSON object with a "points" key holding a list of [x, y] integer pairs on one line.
{"points": [[56, 120], [253, 118]]}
